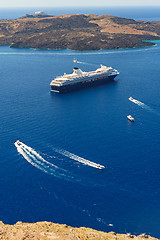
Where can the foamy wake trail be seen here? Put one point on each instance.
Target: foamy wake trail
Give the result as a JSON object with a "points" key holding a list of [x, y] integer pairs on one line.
{"points": [[141, 104], [37, 156], [78, 159], [87, 63], [36, 160]]}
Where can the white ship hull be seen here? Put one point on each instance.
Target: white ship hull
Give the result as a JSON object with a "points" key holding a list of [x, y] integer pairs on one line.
{"points": [[78, 79], [81, 85]]}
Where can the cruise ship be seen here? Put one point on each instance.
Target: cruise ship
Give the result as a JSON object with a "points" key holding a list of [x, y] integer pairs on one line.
{"points": [[79, 79]]}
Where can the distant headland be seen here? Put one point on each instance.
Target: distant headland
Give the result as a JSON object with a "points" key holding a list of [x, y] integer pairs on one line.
{"points": [[77, 32], [38, 14]]}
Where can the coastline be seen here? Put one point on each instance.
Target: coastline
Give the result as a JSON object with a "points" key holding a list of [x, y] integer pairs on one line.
{"points": [[48, 230], [83, 51]]}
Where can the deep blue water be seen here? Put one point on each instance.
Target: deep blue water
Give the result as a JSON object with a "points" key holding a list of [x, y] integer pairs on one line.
{"points": [[91, 124], [137, 13]]}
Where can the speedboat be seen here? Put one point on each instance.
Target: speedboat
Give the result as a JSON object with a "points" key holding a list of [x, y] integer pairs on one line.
{"points": [[131, 98], [100, 166], [75, 61], [130, 118], [110, 225], [18, 143]]}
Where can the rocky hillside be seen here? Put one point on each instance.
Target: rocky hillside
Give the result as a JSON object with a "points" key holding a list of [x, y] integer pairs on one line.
{"points": [[78, 32], [52, 231]]}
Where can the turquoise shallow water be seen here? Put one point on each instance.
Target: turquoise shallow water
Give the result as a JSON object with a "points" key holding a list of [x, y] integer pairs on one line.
{"points": [[91, 124]]}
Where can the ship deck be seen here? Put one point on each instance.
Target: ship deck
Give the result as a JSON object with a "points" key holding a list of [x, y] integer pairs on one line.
{"points": [[69, 77]]}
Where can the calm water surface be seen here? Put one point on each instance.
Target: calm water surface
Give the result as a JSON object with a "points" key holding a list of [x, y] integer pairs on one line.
{"points": [[91, 124], [137, 13]]}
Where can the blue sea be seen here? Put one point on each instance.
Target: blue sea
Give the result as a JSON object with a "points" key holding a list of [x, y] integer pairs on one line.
{"points": [[137, 13], [46, 179]]}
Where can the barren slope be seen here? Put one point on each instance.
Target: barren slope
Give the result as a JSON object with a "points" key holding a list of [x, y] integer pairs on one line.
{"points": [[52, 231], [78, 32]]}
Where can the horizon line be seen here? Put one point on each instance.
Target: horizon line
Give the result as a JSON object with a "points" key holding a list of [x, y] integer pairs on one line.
{"points": [[79, 6]]}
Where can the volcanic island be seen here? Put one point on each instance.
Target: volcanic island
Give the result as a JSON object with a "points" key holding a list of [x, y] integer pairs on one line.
{"points": [[77, 32]]}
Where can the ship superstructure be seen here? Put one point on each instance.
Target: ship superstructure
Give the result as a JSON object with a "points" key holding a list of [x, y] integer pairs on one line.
{"points": [[79, 79]]}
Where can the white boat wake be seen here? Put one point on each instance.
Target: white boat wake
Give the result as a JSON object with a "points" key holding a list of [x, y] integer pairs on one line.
{"points": [[79, 159], [85, 63], [36, 160], [141, 104]]}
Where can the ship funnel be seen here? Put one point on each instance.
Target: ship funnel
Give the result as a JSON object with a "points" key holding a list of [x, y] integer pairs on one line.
{"points": [[77, 70]]}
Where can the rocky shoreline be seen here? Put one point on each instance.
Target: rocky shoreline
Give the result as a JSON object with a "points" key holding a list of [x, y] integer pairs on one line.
{"points": [[78, 32], [49, 230]]}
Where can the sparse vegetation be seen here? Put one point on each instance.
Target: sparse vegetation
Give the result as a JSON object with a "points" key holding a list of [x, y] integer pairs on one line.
{"points": [[49, 230], [78, 32]]}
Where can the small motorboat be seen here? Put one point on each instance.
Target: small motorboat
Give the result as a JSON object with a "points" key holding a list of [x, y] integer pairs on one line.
{"points": [[110, 225], [130, 118], [130, 98], [18, 143], [100, 166], [75, 61]]}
